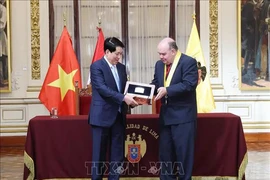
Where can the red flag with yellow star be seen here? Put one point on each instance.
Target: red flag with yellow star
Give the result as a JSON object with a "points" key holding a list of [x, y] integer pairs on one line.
{"points": [[58, 89]]}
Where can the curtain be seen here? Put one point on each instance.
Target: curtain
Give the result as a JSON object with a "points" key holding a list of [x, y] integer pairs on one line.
{"points": [[184, 21], [64, 14], [108, 13], [148, 24]]}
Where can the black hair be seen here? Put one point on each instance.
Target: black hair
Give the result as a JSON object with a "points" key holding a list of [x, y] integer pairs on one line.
{"points": [[111, 43]]}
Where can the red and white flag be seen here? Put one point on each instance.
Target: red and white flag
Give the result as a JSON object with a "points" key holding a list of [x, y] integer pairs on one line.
{"points": [[99, 50]]}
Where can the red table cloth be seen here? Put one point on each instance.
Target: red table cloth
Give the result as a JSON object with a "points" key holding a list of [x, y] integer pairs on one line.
{"points": [[61, 148]]}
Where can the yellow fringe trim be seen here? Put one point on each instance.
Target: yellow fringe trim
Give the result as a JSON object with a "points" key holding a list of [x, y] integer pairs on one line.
{"points": [[127, 178], [213, 178], [29, 163], [242, 167], [157, 178]]}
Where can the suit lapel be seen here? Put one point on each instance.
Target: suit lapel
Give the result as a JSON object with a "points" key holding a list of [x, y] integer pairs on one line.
{"points": [[108, 69], [176, 70], [161, 75]]}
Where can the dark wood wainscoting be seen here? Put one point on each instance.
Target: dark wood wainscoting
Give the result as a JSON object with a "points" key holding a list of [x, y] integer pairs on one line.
{"points": [[12, 141], [257, 137]]}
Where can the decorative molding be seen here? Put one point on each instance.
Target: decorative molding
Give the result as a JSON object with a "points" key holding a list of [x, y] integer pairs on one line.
{"points": [[243, 110], [242, 98], [18, 101], [13, 131], [213, 37], [15, 83], [263, 123], [13, 115], [256, 125], [217, 86], [33, 88], [35, 40], [13, 126]]}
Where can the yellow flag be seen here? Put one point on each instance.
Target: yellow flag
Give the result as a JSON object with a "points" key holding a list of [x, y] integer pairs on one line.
{"points": [[205, 99]]}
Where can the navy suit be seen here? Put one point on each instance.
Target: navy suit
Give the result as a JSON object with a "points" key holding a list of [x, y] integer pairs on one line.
{"points": [[107, 118], [178, 116]]}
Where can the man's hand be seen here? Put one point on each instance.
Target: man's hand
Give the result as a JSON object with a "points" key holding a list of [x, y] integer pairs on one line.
{"points": [[141, 101], [130, 101], [162, 91]]}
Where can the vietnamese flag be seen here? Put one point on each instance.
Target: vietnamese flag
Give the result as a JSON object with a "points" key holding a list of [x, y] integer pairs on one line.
{"points": [[58, 89]]}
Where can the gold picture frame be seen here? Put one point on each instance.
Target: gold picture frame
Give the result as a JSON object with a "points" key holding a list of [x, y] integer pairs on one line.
{"points": [[5, 59], [253, 56]]}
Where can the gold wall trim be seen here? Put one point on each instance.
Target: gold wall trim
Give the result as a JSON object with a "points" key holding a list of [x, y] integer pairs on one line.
{"points": [[255, 127], [19, 101], [257, 122], [217, 86], [35, 40], [240, 101], [33, 88], [13, 126], [213, 37], [13, 130]]}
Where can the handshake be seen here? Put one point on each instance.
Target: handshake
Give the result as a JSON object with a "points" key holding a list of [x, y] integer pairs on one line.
{"points": [[138, 93]]}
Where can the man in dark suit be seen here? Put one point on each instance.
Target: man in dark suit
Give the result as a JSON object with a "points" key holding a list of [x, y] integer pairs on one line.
{"points": [[108, 110], [176, 78]]}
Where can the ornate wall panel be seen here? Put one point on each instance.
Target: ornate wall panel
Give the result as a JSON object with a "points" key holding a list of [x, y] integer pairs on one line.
{"points": [[35, 40], [213, 30]]}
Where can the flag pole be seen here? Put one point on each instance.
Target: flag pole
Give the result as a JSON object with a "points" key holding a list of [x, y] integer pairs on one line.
{"points": [[89, 86], [99, 21], [194, 16], [65, 19]]}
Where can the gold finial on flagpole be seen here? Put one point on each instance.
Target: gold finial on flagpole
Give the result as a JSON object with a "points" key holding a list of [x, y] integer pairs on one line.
{"points": [[65, 18], [99, 21], [194, 16]]}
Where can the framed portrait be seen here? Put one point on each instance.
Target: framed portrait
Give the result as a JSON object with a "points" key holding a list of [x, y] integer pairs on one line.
{"points": [[253, 44], [5, 62]]}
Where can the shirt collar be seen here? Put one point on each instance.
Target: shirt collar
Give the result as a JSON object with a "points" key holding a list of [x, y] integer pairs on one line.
{"points": [[110, 65]]}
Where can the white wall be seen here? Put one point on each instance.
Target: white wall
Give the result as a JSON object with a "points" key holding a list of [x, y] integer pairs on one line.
{"points": [[251, 106], [22, 103]]}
